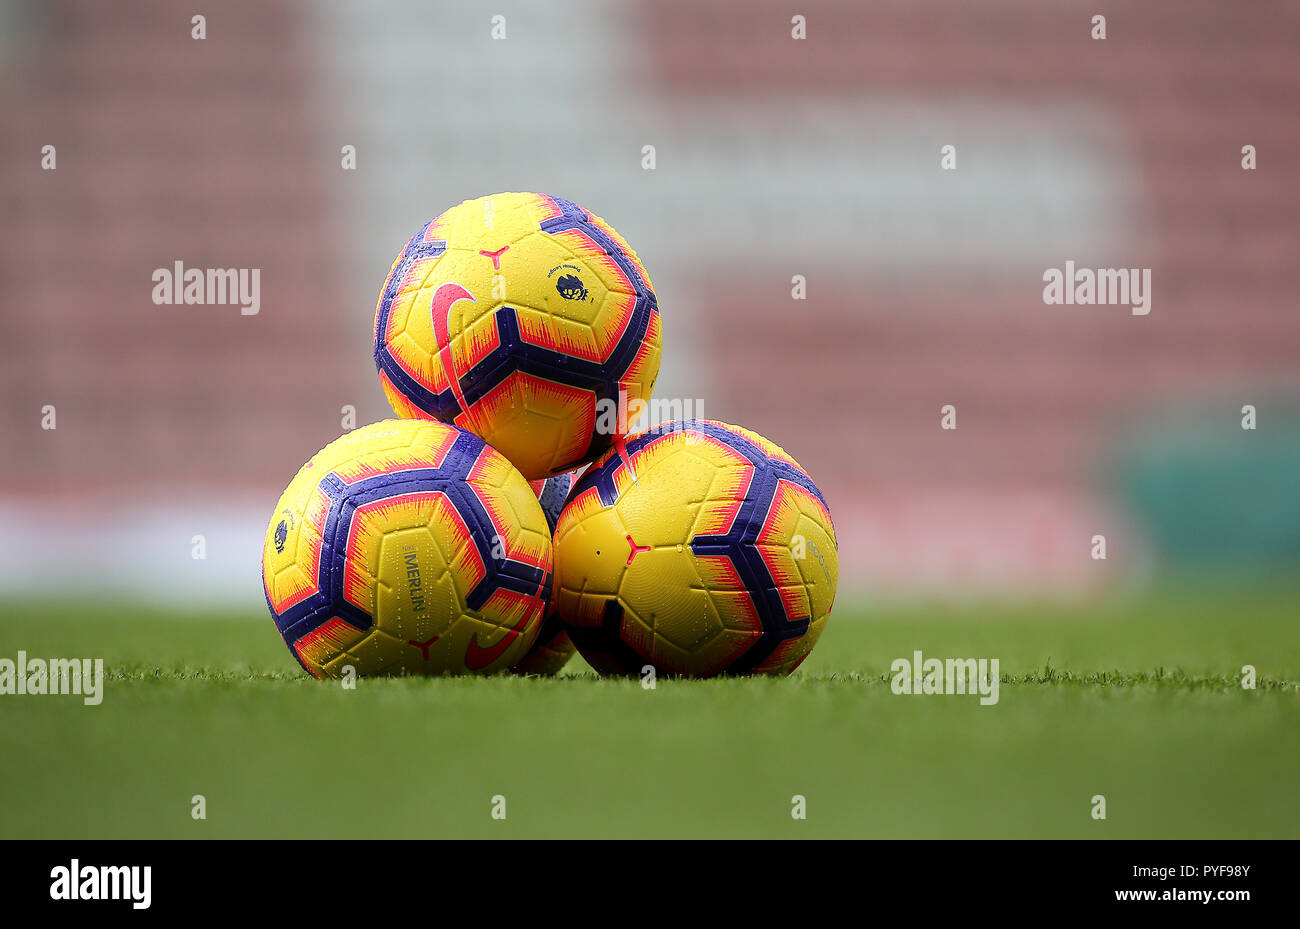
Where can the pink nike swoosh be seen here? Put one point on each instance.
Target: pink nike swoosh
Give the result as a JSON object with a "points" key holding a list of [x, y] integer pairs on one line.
{"points": [[477, 657]]}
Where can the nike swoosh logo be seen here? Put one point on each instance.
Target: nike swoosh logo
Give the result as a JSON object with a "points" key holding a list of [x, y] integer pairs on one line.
{"points": [[444, 298], [477, 657], [620, 446]]}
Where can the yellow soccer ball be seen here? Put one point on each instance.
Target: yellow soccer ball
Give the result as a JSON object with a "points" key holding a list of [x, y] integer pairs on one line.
{"points": [[526, 320], [407, 547], [698, 549]]}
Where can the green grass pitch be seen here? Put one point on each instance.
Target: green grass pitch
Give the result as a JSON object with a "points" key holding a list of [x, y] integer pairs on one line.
{"points": [[1136, 698]]}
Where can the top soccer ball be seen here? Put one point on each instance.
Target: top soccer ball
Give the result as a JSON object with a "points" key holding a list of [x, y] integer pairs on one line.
{"points": [[521, 318]]}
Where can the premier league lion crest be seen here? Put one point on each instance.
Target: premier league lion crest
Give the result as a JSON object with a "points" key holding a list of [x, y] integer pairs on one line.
{"points": [[569, 286]]}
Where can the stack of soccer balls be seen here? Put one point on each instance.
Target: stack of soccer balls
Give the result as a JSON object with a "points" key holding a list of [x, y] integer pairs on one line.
{"points": [[455, 540]]}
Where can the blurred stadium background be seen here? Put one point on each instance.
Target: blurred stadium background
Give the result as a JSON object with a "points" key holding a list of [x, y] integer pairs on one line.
{"points": [[775, 158]]}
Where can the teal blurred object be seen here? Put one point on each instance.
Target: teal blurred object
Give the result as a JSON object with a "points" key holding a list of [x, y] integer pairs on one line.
{"points": [[1210, 494]]}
